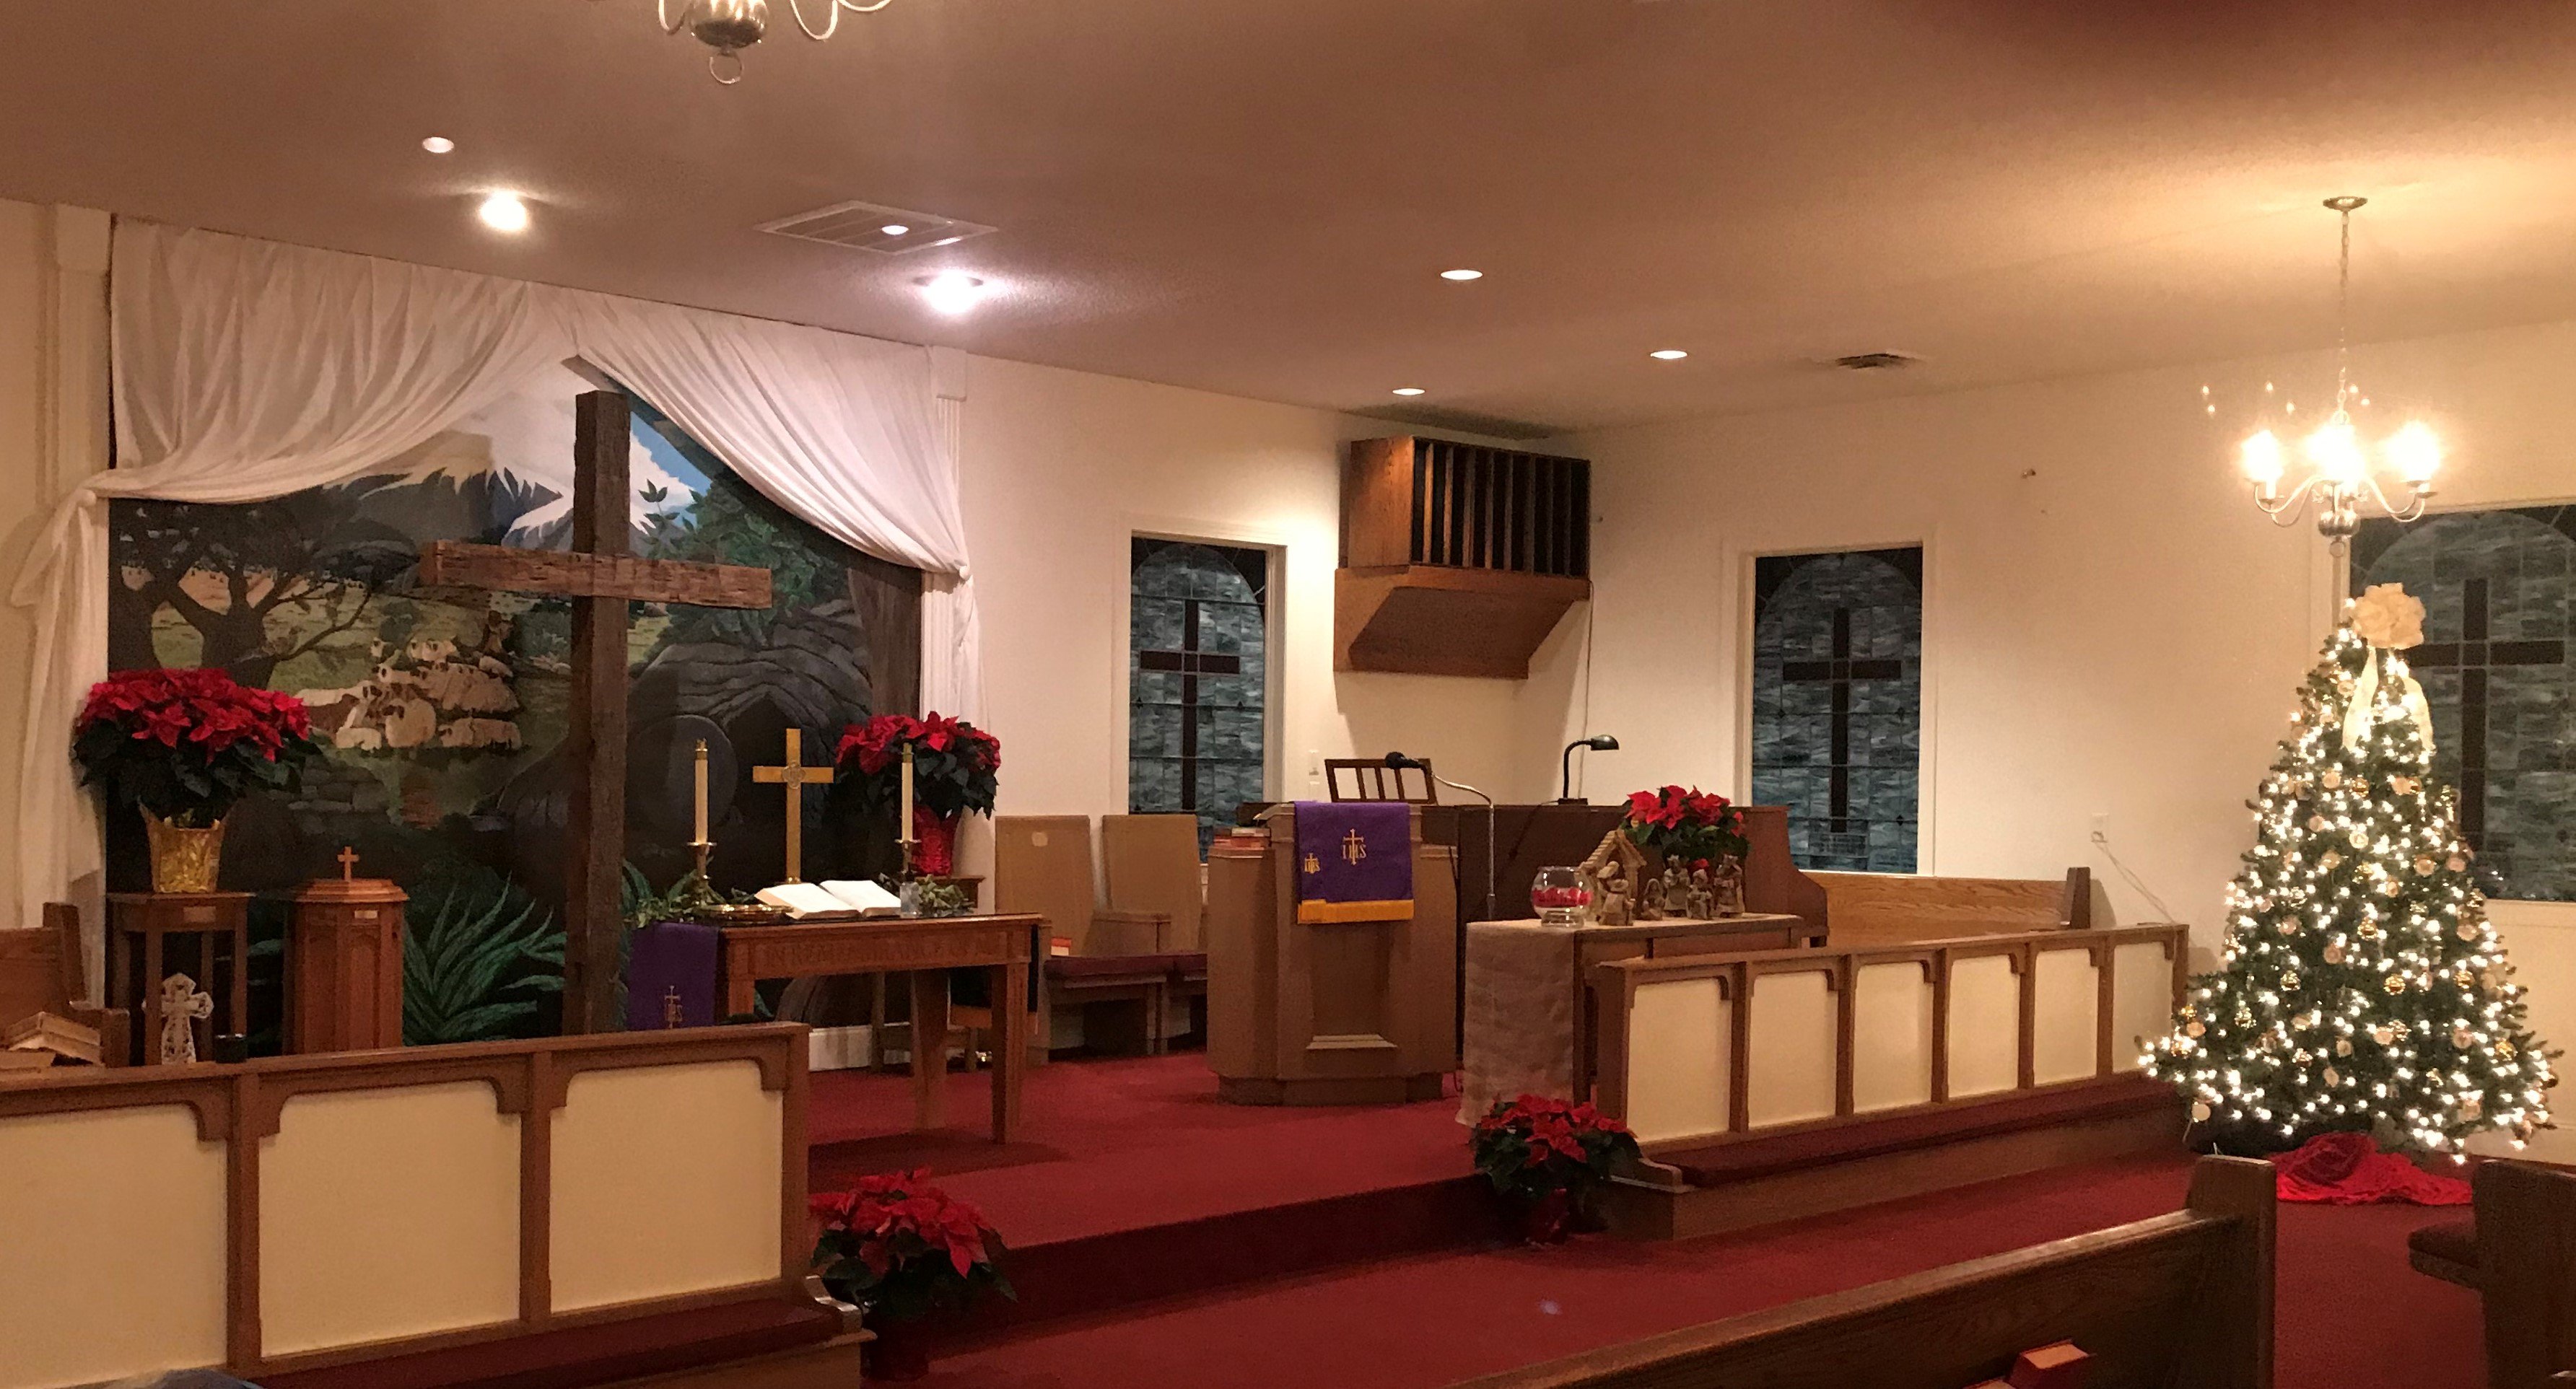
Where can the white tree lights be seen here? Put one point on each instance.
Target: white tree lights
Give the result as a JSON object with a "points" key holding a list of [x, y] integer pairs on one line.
{"points": [[2360, 986]]}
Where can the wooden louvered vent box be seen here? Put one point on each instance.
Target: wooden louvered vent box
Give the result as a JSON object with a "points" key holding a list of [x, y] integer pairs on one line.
{"points": [[1457, 559]]}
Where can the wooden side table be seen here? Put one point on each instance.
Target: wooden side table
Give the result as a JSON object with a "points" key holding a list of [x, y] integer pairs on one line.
{"points": [[148, 918]]}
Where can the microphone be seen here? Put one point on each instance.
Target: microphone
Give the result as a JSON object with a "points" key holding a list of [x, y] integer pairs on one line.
{"points": [[1598, 742], [1400, 762]]}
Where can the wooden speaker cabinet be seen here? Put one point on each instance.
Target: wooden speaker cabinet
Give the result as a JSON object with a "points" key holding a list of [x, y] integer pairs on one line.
{"points": [[344, 959]]}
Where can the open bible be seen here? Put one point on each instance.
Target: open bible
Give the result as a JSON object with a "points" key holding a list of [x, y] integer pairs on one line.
{"points": [[844, 899]]}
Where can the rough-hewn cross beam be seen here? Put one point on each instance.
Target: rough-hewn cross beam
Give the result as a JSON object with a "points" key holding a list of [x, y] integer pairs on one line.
{"points": [[572, 574], [601, 579]]}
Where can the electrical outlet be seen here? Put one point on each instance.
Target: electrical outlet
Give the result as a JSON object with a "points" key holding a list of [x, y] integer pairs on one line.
{"points": [[1314, 764]]}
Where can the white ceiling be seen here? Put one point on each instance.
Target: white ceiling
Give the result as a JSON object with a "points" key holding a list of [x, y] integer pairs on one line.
{"points": [[1255, 196]]}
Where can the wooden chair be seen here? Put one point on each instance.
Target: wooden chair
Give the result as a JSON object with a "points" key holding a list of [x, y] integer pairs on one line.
{"points": [[2519, 1252], [1043, 864], [42, 971], [1151, 865], [2180, 1299]]}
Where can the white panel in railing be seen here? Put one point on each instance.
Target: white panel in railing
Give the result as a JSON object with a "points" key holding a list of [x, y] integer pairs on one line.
{"points": [[387, 1213], [666, 1181], [1790, 1071], [112, 1224], [1678, 1034], [2142, 1000], [1891, 1036], [1985, 1026], [2066, 1008]]}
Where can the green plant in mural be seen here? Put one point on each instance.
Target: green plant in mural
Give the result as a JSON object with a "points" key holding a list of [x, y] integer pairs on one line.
{"points": [[481, 966]]}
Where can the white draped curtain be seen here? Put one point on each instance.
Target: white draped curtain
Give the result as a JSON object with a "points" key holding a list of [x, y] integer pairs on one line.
{"points": [[246, 370]]}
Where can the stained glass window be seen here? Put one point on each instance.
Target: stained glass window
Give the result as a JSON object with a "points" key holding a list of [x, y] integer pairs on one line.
{"points": [[1197, 679], [1838, 704], [2497, 627]]}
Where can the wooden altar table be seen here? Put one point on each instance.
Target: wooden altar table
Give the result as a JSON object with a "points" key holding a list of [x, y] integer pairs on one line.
{"points": [[922, 947]]}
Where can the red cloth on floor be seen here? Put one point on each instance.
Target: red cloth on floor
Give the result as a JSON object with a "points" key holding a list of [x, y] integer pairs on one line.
{"points": [[2347, 1169]]}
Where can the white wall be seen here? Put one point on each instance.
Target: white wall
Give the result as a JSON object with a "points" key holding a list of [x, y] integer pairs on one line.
{"points": [[1062, 468]]}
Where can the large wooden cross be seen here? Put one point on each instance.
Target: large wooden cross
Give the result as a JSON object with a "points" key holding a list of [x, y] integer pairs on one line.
{"points": [[601, 579], [2474, 655]]}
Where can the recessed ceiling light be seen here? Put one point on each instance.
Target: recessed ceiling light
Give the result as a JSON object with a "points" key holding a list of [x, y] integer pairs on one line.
{"points": [[951, 291], [504, 212], [1462, 275], [1408, 390], [438, 144], [1669, 354], [895, 229]]}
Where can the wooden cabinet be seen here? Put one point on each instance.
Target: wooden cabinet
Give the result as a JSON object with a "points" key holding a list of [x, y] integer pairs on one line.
{"points": [[344, 960]]}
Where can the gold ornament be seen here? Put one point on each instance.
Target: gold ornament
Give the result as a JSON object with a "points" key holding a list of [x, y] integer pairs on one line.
{"points": [[2504, 1051], [2468, 930], [2457, 864], [2384, 1034], [2316, 823], [2289, 979], [2193, 1028], [2343, 1046], [2331, 778], [2300, 1057], [2395, 984], [2424, 865], [2470, 1107], [2361, 786], [2403, 785], [2329, 859], [2367, 930], [2464, 981], [2390, 887], [2333, 1078], [2334, 952], [2360, 838], [2199, 1112], [2460, 1038]]}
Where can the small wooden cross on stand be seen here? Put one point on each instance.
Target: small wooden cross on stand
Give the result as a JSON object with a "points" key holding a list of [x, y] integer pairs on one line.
{"points": [[348, 863], [601, 579], [796, 776]]}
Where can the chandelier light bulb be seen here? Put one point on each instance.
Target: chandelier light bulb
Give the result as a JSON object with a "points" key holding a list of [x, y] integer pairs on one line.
{"points": [[2336, 452], [2416, 453], [951, 292], [2260, 457], [504, 212]]}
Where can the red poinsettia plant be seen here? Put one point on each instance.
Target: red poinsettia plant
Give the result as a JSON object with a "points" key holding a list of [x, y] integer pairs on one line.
{"points": [[902, 1248], [955, 765], [187, 745], [1551, 1155], [1685, 824]]}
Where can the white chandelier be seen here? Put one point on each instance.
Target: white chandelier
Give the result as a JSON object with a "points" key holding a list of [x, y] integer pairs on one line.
{"points": [[730, 26], [2343, 475]]}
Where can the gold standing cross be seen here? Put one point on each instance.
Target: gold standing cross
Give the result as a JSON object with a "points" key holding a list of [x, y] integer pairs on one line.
{"points": [[796, 776], [1354, 848]]}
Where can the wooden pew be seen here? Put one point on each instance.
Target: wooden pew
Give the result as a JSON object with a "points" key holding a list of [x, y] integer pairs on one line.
{"points": [[2519, 1253], [41, 971], [1770, 1085], [2182, 1299], [1886, 908]]}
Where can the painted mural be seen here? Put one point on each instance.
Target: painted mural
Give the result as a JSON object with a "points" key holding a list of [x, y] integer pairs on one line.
{"points": [[445, 711]]}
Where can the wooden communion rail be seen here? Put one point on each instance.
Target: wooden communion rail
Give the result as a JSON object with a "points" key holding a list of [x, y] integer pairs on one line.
{"points": [[1777, 1083]]}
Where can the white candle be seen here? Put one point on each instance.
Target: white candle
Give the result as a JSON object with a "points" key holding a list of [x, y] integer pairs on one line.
{"points": [[903, 827], [702, 792]]}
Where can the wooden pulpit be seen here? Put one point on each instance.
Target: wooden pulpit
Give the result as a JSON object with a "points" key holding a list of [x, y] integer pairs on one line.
{"points": [[1336, 1013], [344, 962]]}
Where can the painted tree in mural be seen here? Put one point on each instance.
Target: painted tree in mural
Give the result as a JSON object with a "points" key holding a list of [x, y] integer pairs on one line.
{"points": [[261, 583], [2361, 987]]}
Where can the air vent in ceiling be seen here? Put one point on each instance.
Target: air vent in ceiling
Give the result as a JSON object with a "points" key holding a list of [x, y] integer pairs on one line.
{"points": [[1875, 361], [890, 231]]}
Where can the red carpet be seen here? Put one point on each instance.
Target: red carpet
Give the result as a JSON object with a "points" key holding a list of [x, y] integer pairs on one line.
{"points": [[1102, 1167]]}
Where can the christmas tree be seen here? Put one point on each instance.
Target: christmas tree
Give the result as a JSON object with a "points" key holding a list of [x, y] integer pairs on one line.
{"points": [[2360, 986]]}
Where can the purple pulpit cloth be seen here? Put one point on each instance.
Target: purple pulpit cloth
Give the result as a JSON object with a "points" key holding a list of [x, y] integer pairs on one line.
{"points": [[671, 976], [1354, 861]]}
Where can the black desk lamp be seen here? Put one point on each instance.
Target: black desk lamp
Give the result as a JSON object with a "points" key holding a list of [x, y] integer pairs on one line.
{"points": [[1598, 742]]}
